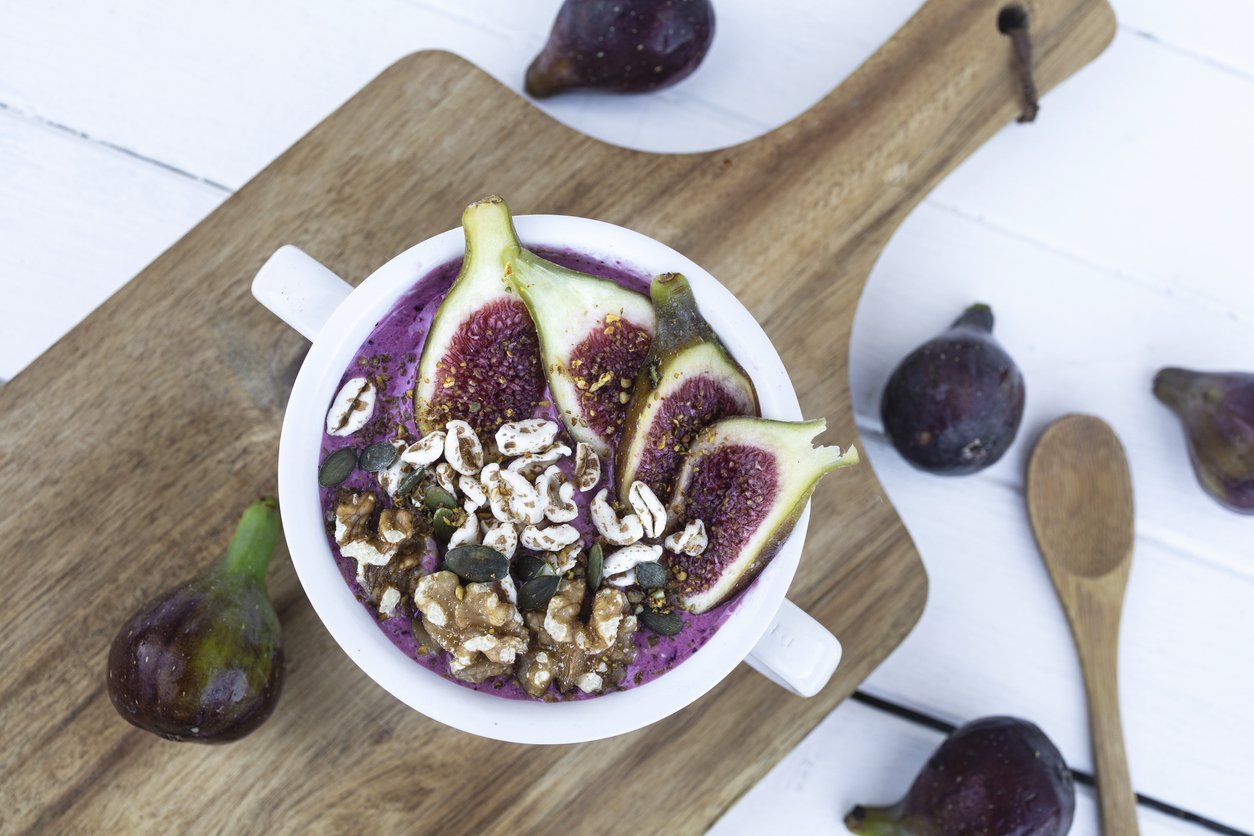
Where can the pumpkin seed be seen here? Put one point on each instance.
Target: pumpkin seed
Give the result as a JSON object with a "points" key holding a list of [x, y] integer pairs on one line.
{"points": [[443, 524], [408, 484], [536, 593], [650, 575], [662, 623], [479, 564], [337, 467], [596, 563], [436, 498], [529, 567], [378, 457]]}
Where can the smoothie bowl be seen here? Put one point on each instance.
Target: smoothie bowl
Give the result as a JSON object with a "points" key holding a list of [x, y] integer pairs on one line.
{"points": [[547, 491]]}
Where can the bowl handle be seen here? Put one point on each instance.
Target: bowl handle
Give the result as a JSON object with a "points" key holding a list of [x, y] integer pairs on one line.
{"points": [[299, 290], [796, 652]]}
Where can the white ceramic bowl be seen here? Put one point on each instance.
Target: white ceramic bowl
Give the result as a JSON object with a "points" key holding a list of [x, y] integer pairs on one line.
{"points": [[774, 636]]}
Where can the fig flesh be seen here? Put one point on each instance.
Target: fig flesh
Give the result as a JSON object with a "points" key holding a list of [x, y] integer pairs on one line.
{"points": [[954, 404], [995, 775], [626, 46], [594, 338], [748, 480], [481, 359], [689, 382], [203, 661], [1217, 411]]}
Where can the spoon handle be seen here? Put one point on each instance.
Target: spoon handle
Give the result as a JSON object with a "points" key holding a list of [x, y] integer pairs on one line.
{"points": [[1099, 656]]}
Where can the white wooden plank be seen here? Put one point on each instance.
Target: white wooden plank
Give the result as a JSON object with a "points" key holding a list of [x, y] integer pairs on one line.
{"points": [[1139, 164], [859, 755], [77, 220], [220, 90], [993, 638], [1217, 31]]}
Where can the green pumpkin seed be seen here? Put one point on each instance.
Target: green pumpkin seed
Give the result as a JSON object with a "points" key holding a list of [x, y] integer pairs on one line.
{"points": [[650, 575], [436, 498], [443, 524], [536, 593], [337, 467], [662, 623], [378, 457], [479, 564], [596, 563], [529, 567], [408, 484]]}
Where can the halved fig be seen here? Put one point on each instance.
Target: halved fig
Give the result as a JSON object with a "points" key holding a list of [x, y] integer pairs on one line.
{"points": [[748, 480], [481, 359], [594, 337], [689, 382]]}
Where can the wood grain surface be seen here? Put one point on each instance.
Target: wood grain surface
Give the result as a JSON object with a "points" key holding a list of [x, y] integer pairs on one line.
{"points": [[128, 449], [1079, 493]]}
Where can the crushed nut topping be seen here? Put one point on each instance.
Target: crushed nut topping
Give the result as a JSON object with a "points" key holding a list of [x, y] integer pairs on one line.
{"points": [[352, 407]]}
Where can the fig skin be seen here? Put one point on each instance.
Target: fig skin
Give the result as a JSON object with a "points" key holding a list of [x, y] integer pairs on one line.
{"points": [[954, 404], [995, 775], [625, 46], [1217, 411], [203, 661]]}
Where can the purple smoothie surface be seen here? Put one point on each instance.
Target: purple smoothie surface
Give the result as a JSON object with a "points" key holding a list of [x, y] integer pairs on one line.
{"points": [[391, 354]]}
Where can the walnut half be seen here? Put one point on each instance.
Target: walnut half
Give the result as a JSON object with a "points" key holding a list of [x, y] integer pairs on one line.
{"points": [[590, 657], [476, 624]]}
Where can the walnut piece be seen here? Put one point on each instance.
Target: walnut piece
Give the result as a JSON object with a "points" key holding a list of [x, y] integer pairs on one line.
{"points": [[476, 624], [590, 657]]}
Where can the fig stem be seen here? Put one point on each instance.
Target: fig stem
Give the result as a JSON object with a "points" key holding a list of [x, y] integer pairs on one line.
{"points": [[873, 821], [1171, 386], [979, 316], [249, 553]]}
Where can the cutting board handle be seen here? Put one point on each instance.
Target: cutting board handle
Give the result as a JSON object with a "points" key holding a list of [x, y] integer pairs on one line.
{"points": [[946, 82], [299, 290]]}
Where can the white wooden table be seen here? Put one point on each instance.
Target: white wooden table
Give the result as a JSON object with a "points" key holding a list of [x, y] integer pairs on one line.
{"points": [[1111, 238]]}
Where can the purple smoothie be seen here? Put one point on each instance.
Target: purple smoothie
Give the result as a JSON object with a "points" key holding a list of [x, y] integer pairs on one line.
{"points": [[391, 352]]}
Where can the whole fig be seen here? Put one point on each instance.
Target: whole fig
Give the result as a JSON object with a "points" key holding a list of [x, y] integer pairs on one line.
{"points": [[1217, 411], [203, 661], [626, 46], [995, 775], [953, 406]]}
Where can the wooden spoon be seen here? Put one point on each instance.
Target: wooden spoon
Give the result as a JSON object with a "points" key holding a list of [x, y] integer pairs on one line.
{"points": [[1079, 496]]}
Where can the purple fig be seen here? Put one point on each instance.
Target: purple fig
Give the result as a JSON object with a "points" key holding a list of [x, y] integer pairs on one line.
{"points": [[996, 775], [747, 480], [689, 382], [953, 406], [627, 46], [203, 661], [1217, 411]]}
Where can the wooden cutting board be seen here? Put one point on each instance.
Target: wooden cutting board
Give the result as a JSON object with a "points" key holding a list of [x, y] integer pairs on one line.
{"points": [[128, 450]]}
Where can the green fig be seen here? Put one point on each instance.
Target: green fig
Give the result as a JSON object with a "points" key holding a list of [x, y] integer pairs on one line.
{"points": [[203, 661], [689, 381], [1217, 411], [995, 775]]}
